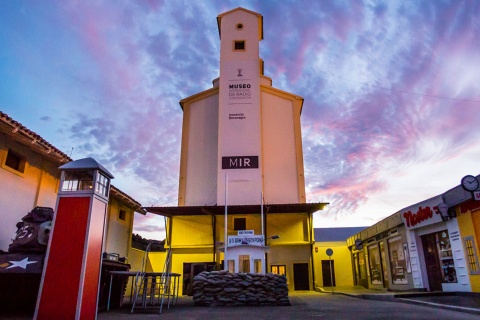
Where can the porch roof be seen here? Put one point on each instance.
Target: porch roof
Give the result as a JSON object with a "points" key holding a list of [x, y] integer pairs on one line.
{"points": [[237, 209]]}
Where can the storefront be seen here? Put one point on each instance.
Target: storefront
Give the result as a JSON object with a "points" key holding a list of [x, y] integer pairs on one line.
{"points": [[380, 256], [435, 247]]}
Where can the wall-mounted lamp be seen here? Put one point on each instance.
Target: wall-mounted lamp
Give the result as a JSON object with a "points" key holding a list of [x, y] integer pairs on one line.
{"points": [[446, 212]]}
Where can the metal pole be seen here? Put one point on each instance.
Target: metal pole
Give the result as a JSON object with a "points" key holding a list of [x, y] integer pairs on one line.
{"points": [[331, 273], [225, 264]]}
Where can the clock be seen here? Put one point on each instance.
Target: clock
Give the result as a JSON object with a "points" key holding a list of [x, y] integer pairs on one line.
{"points": [[470, 183]]}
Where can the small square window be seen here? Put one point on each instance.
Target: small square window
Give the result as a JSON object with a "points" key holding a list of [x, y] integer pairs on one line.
{"points": [[279, 269], [239, 45], [240, 224], [122, 215], [15, 161]]}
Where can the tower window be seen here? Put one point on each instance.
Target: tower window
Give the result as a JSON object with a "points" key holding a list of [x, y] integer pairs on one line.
{"points": [[239, 45], [239, 26]]}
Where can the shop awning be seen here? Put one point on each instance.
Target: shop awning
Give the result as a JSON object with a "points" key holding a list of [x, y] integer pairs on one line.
{"points": [[236, 209]]}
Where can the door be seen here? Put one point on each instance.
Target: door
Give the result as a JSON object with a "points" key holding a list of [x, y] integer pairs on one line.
{"points": [[328, 278], [432, 262], [190, 270], [300, 276]]}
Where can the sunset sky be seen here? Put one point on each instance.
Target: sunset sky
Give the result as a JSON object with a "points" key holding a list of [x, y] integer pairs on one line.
{"points": [[392, 91]]}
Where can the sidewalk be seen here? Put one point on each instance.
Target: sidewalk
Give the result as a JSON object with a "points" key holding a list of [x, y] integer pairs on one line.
{"points": [[457, 301]]}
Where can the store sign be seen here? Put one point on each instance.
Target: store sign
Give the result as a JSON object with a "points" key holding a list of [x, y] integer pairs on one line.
{"points": [[476, 195], [249, 162], [422, 214], [249, 240]]}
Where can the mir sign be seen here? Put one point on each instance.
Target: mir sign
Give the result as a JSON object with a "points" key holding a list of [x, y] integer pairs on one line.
{"points": [[246, 162]]}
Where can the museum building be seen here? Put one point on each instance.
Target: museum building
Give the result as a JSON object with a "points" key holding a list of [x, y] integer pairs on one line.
{"points": [[242, 186]]}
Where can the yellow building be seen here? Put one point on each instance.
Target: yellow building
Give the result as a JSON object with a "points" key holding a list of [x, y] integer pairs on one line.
{"points": [[241, 170], [30, 177], [332, 258], [467, 211]]}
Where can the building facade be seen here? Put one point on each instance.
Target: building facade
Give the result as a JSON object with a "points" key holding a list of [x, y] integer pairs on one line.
{"points": [[30, 177], [241, 170], [431, 245]]}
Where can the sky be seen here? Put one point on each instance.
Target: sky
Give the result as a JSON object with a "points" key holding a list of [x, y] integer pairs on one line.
{"points": [[392, 91]]}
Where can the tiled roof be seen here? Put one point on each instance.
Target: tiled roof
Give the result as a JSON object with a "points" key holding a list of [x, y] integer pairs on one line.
{"points": [[27, 137], [23, 135]]}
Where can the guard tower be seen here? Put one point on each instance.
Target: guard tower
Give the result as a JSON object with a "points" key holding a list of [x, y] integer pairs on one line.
{"points": [[71, 275]]}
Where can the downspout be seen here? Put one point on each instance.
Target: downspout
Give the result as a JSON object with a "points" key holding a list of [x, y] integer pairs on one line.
{"points": [[214, 235], [310, 216], [39, 185]]}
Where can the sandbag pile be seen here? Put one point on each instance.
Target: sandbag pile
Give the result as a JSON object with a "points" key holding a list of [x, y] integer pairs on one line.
{"points": [[224, 288]]}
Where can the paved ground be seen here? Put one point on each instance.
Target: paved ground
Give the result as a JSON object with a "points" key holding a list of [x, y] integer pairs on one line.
{"points": [[350, 303]]}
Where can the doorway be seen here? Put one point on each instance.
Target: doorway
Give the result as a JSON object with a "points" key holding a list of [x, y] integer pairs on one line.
{"points": [[328, 278], [300, 276], [432, 262], [190, 270]]}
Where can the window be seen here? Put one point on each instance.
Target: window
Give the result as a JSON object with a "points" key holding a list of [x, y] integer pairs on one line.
{"points": [[398, 261], [240, 224], [231, 266], [278, 269], [472, 257], [15, 161], [239, 45], [258, 265], [244, 263], [122, 215], [374, 264], [77, 180], [101, 186]]}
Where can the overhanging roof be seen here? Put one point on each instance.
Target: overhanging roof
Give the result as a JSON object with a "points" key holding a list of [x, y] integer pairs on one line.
{"points": [[236, 209]]}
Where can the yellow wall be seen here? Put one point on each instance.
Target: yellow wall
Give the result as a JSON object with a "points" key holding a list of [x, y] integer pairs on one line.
{"points": [[292, 228], [289, 255], [192, 231], [118, 235], [466, 224], [342, 262]]}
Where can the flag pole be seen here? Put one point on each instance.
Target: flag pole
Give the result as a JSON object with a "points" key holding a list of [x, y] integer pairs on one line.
{"points": [[225, 264]]}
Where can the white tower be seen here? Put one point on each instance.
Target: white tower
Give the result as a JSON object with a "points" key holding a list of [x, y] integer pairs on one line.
{"points": [[239, 119]]}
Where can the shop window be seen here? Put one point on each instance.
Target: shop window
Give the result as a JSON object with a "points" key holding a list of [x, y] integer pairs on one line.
{"points": [[374, 264], [244, 263], [122, 215], [472, 257], [362, 265], [239, 45], [240, 224], [279, 269], [398, 261], [449, 274], [15, 161]]}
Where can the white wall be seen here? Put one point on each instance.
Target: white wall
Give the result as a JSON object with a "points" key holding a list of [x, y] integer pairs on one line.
{"points": [[202, 152], [20, 193], [279, 151]]}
